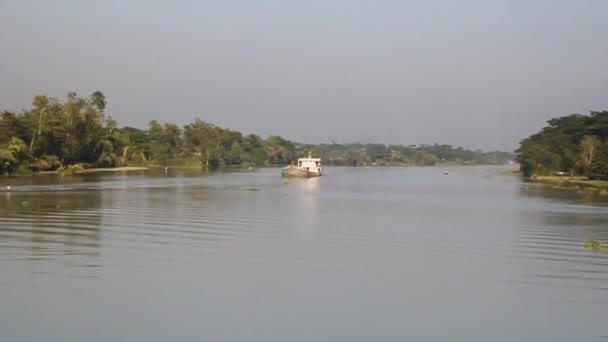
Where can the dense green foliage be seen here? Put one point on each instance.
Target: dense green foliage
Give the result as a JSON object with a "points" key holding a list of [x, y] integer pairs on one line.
{"points": [[380, 154], [55, 135], [575, 145]]}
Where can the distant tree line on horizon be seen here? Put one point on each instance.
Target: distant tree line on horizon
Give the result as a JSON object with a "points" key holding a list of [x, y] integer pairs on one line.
{"points": [[574, 145], [54, 135]]}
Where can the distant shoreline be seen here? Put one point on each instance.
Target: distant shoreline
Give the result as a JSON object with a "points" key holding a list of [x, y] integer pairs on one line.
{"points": [[115, 169], [228, 167]]}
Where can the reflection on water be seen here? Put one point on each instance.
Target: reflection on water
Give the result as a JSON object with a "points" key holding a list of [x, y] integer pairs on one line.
{"points": [[356, 255], [303, 215]]}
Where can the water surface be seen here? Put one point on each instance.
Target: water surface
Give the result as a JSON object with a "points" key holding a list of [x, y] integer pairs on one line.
{"points": [[360, 254]]}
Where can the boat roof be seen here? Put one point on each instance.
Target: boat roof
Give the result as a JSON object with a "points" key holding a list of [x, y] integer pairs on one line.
{"points": [[309, 158]]}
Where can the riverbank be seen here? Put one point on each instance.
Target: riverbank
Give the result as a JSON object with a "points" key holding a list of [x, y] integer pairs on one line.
{"points": [[579, 182], [566, 181], [95, 170], [115, 169]]}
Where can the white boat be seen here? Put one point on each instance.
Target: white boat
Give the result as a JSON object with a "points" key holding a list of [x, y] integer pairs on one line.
{"points": [[306, 167]]}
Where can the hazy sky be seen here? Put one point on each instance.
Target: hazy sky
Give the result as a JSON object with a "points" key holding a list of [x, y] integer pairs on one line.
{"points": [[478, 74]]}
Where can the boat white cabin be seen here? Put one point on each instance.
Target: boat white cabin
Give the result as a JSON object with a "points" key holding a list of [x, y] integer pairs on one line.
{"points": [[312, 165]]}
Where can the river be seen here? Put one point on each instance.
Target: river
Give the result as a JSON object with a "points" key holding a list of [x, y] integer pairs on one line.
{"points": [[360, 254]]}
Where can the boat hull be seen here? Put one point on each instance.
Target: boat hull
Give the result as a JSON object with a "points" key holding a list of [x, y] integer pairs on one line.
{"points": [[292, 171]]}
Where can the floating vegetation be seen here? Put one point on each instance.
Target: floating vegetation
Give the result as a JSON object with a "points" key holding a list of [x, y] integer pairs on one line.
{"points": [[251, 188], [596, 245]]}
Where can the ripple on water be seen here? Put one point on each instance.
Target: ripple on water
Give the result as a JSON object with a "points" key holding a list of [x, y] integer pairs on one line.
{"points": [[369, 245]]}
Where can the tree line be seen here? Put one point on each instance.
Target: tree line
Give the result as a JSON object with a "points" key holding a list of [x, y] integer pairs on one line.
{"points": [[55, 134], [575, 144]]}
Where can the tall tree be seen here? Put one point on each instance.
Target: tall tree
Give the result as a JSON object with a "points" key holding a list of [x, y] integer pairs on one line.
{"points": [[40, 107], [98, 99], [589, 146]]}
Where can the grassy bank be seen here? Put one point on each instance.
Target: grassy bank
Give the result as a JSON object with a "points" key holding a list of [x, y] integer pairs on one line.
{"points": [[577, 181]]}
